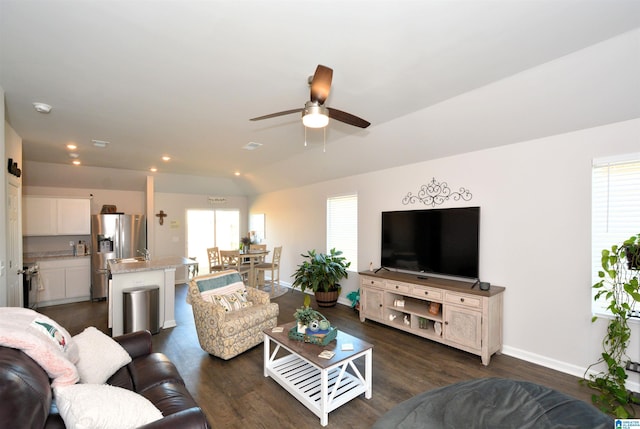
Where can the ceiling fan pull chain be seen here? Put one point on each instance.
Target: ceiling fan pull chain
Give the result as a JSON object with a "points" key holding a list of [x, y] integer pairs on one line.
{"points": [[324, 144]]}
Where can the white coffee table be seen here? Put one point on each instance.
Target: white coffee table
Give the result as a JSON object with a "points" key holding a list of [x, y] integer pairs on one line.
{"points": [[321, 385]]}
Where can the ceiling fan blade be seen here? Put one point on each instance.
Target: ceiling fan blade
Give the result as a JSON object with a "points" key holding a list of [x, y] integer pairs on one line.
{"points": [[347, 118], [321, 84], [273, 115]]}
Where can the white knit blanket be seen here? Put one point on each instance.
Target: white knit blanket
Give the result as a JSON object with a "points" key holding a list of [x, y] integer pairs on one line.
{"points": [[43, 340]]}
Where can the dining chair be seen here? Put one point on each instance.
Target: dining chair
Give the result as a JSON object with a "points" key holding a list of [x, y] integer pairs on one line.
{"points": [[231, 259], [215, 264], [273, 266], [258, 247]]}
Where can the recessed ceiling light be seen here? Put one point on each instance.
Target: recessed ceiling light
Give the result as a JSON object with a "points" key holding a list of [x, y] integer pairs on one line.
{"points": [[237, 173], [99, 143], [153, 169], [76, 162], [166, 158], [42, 107], [74, 155], [251, 146], [72, 146]]}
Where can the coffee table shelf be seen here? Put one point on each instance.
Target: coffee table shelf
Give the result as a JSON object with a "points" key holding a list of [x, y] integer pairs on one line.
{"points": [[321, 385]]}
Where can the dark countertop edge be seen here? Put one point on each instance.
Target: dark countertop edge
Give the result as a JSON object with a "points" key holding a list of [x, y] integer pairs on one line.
{"points": [[433, 281]]}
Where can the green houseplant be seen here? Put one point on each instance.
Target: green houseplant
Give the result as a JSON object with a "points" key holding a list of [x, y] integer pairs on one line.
{"points": [[321, 273], [619, 286]]}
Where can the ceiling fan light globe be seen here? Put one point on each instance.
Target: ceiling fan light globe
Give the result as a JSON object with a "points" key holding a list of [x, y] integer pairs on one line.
{"points": [[315, 120], [315, 116]]}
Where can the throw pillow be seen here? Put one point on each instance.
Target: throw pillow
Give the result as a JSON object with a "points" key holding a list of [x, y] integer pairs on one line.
{"points": [[231, 298], [101, 406], [232, 301], [100, 356]]}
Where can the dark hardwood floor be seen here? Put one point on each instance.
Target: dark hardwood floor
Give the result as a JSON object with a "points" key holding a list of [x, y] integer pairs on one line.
{"points": [[235, 394]]}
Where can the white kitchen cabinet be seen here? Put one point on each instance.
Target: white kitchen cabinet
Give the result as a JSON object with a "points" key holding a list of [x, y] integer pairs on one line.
{"points": [[73, 216], [43, 216], [52, 284], [64, 280], [39, 216]]}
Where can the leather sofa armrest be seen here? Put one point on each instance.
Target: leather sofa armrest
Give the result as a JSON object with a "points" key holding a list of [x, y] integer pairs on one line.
{"points": [[192, 418], [137, 344]]}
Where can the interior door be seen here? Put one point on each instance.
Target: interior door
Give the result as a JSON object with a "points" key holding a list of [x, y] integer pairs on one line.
{"points": [[14, 246]]}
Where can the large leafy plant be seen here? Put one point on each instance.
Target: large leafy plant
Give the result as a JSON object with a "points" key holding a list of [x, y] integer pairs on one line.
{"points": [[619, 286], [320, 271]]}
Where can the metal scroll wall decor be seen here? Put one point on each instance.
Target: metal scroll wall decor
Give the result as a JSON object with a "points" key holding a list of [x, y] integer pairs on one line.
{"points": [[436, 193]]}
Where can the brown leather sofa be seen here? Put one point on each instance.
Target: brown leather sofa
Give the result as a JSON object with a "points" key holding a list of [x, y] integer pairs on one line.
{"points": [[26, 396]]}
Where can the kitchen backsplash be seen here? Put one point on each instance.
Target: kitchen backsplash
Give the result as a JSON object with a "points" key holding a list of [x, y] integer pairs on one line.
{"points": [[58, 244]]}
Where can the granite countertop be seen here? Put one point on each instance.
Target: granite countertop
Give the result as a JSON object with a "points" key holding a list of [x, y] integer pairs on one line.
{"points": [[33, 257], [153, 264]]}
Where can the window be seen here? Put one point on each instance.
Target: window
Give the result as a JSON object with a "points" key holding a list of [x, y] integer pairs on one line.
{"points": [[342, 227], [615, 200]]}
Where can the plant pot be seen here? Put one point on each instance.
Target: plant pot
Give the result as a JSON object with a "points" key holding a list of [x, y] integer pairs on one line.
{"points": [[327, 299]]}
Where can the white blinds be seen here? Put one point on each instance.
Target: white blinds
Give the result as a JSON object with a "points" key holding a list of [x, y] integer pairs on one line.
{"points": [[615, 209], [342, 227]]}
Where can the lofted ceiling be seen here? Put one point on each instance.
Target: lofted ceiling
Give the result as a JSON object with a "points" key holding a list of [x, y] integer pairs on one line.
{"points": [[182, 78]]}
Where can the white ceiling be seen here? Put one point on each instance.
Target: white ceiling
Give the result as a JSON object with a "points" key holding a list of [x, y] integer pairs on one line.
{"points": [[182, 78]]}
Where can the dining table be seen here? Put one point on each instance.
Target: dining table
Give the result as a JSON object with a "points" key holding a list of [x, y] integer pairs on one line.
{"points": [[254, 257]]}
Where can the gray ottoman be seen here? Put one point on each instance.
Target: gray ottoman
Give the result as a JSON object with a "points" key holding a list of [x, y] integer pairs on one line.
{"points": [[494, 403]]}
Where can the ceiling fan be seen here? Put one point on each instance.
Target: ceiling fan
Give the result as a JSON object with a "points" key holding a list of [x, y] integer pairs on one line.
{"points": [[315, 114]]}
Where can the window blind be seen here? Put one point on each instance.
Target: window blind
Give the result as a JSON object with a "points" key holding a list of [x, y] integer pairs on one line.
{"points": [[615, 210], [342, 227]]}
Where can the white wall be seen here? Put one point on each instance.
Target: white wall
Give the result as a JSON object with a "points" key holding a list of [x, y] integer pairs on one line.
{"points": [[535, 200]]}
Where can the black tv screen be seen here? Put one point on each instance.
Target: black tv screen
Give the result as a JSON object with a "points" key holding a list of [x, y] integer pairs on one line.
{"points": [[439, 241]]}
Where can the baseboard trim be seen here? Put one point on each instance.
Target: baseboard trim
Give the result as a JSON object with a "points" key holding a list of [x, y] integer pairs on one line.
{"points": [[577, 371]]}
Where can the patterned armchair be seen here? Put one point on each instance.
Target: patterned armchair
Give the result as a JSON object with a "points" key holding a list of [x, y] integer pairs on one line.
{"points": [[229, 317]]}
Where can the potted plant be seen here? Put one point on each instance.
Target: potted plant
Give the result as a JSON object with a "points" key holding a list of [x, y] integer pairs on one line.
{"points": [[619, 286], [305, 315], [245, 242], [321, 272]]}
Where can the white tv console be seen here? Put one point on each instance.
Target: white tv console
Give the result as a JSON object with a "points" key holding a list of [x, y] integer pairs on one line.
{"points": [[461, 317]]}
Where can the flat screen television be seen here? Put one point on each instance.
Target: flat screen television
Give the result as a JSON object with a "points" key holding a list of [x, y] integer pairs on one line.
{"points": [[438, 241]]}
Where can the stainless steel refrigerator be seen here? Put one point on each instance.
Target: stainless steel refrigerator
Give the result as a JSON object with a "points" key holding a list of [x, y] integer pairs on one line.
{"points": [[113, 236]]}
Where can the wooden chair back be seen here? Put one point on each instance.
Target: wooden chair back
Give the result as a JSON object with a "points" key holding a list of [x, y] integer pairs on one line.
{"points": [[215, 263]]}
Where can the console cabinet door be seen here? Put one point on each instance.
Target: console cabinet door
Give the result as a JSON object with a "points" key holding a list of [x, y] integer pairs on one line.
{"points": [[371, 304], [463, 326]]}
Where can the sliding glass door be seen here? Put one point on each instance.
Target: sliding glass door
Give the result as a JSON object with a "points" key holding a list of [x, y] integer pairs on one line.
{"points": [[211, 228]]}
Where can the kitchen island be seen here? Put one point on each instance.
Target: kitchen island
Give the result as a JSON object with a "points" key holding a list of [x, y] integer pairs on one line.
{"points": [[135, 273]]}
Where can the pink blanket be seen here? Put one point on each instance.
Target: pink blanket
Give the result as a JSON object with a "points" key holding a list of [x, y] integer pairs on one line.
{"points": [[42, 339]]}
